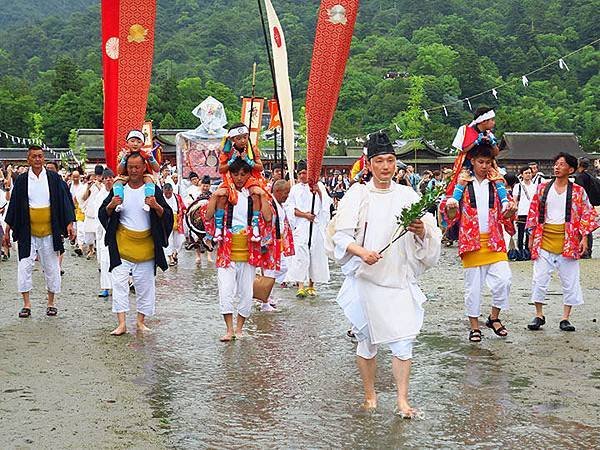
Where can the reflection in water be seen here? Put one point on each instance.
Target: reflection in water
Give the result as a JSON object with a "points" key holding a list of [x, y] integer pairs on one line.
{"points": [[291, 381]]}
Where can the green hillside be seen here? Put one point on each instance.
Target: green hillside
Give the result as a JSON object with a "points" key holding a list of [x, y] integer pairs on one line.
{"points": [[446, 51]]}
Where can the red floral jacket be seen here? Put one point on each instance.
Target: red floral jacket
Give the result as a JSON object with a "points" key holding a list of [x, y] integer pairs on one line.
{"points": [[261, 254], [180, 214], [468, 236], [584, 220]]}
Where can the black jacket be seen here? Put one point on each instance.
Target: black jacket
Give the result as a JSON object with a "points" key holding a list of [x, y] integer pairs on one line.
{"points": [[161, 228], [62, 212]]}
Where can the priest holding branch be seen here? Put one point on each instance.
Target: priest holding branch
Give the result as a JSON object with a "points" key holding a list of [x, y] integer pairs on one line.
{"points": [[380, 295]]}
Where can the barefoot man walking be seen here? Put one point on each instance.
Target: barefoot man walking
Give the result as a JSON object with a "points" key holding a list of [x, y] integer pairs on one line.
{"points": [[135, 239], [380, 295]]}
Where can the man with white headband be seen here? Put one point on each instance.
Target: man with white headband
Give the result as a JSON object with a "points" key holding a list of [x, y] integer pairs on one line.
{"points": [[380, 295]]}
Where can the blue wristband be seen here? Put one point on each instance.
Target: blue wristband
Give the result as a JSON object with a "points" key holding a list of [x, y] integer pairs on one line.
{"points": [[249, 161], [231, 160], [458, 192]]}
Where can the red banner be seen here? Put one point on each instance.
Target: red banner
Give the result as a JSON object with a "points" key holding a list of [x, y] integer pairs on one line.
{"points": [[275, 121], [335, 26], [128, 50], [110, 70]]}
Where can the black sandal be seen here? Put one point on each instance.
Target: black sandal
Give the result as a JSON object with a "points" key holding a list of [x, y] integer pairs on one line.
{"points": [[498, 331], [24, 313], [475, 335], [51, 311]]}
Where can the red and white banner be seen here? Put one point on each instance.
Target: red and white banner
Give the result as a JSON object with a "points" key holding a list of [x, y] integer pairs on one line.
{"points": [[282, 80], [253, 108], [127, 53], [335, 26]]}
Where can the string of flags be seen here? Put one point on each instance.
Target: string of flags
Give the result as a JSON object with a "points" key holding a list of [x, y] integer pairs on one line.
{"points": [[495, 90], [35, 141]]}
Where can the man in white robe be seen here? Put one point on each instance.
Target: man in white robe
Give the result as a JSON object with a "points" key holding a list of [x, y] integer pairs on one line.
{"points": [[108, 177], [380, 295], [309, 264], [77, 189]]}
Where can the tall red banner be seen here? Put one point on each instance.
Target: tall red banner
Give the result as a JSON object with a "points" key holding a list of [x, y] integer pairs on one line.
{"points": [[128, 50], [335, 26], [110, 69]]}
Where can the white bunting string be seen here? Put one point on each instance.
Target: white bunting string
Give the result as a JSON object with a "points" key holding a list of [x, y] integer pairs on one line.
{"points": [[523, 78], [29, 141]]}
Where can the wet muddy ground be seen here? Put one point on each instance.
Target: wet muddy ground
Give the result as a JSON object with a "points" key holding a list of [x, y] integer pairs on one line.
{"points": [[291, 381]]}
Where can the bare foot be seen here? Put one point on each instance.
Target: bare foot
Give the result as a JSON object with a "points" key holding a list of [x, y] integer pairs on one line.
{"points": [[227, 337], [119, 331], [238, 334], [405, 411], [141, 326], [370, 404]]}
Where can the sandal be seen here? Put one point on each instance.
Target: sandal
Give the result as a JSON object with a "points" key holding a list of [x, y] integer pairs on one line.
{"points": [[500, 331], [475, 335], [51, 311], [24, 313]]}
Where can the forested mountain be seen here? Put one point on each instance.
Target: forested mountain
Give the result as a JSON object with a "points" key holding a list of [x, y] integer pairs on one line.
{"points": [[26, 11], [445, 50]]}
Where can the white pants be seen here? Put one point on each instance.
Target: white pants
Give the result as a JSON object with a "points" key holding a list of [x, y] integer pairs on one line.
{"points": [[143, 281], [497, 276], [103, 258], [44, 248], [280, 274], [236, 280], [175, 242], [309, 264], [89, 238], [80, 233], [568, 273], [400, 349]]}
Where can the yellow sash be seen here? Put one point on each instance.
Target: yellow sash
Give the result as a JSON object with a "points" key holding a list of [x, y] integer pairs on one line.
{"points": [[553, 238], [39, 218], [79, 214], [239, 247], [135, 246], [175, 222], [483, 256]]}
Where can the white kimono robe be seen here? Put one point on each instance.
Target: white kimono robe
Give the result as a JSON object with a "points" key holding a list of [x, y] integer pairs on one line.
{"points": [[308, 263], [382, 301]]}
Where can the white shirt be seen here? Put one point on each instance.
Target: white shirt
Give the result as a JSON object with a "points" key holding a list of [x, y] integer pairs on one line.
{"points": [[525, 192], [172, 202], [38, 190], [91, 211], [281, 214], [192, 194], [240, 211], [556, 204], [482, 198], [133, 215]]}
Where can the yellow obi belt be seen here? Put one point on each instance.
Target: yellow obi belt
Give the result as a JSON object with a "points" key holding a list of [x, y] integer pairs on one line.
{"points": [[239, 247], [79, 214], [175, 221], [553, 238], [39, 219], [135, 246], [483, 256]]}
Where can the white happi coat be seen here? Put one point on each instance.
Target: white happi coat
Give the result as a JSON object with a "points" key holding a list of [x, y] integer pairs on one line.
{"points": [[308, 263], [383, 300]]}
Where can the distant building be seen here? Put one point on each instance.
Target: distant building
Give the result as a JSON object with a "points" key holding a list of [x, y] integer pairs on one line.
{"points": [[518, 149]]}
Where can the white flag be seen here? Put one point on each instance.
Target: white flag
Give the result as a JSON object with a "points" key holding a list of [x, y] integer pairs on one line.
{"points": [[495, 93], [525, 81], [282, 80], [563, 65]]}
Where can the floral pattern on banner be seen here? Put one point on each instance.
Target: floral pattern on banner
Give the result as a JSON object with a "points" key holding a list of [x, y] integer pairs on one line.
{"points": [[584, 220], [468, 236]]}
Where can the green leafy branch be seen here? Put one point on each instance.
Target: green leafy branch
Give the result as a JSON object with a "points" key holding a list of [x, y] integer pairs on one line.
{"points": [[415, 211]]}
